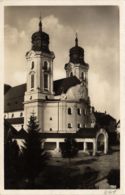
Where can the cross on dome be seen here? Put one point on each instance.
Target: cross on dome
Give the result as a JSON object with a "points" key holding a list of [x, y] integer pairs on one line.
{"points": [[76, 40], [40, 24]]}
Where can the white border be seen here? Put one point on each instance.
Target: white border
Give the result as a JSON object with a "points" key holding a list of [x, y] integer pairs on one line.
{"points": [[121, 4]]}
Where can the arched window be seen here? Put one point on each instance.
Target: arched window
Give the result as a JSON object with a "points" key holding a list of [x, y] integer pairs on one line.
{"points": [[45, 66], [32, 65], [85, 112], [79, 125], [32, 81], [83, 76], [79, 111], [12, 115], [45, 81], [69, 111], [69, 125], [71, 74]]}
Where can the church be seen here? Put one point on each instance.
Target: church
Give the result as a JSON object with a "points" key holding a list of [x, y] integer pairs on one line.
{"points": [[63, 106]]}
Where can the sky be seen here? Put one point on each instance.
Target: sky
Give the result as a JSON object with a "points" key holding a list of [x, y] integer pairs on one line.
{"points": [[98, 33]]}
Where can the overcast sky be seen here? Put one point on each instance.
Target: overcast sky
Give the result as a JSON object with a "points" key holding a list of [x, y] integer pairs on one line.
{"points": [[98, 34]]}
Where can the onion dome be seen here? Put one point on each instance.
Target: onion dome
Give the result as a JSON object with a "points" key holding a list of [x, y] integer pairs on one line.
{"points": [[77, 53], [40, 40]]}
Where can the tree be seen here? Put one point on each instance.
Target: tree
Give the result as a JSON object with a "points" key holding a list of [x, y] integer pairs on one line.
{"points": [[69, 148], [34, 155], [114, 177], [11, 162]]}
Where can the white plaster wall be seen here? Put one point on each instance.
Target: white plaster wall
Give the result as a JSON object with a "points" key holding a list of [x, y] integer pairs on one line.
{"points": [[16, 114], [77, 92], [18, 127], [50, 110], [58, 111], [39, 58]]}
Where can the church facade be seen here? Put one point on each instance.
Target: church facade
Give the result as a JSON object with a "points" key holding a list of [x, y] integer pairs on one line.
{"points": [[61, 106]]}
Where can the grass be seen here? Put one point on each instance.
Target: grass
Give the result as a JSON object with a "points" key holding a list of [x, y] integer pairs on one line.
{"points": [[80, 172]]}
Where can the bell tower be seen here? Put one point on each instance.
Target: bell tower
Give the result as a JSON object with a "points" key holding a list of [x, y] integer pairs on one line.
{"points": [[77, 66], [39, 73]]}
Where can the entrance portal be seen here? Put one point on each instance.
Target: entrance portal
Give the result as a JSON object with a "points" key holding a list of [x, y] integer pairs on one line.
{"points": [[100, 143]]}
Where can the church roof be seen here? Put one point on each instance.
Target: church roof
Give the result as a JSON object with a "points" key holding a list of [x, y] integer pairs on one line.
{"points": [[62, 85], [40, 40], [82, 133], [103, 119], [14, 97], [15, 121], [6, 88], [87, 132]]}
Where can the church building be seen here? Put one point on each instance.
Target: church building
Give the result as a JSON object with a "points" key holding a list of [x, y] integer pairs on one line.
{"points": [[63, 106]]}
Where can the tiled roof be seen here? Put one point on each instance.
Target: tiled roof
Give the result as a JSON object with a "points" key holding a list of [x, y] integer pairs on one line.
{"points": [[15, 121], [6, 88], [62, 85], [14, 97], [103, 119], [82, 133], [87, 132]]}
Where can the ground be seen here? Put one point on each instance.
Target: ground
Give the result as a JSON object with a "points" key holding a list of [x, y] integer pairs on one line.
{"points": [[79, 173]]}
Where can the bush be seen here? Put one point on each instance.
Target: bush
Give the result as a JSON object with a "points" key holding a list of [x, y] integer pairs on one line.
{"points": [[12, 163], [34, 156], [114, 177], [69, 148]]}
